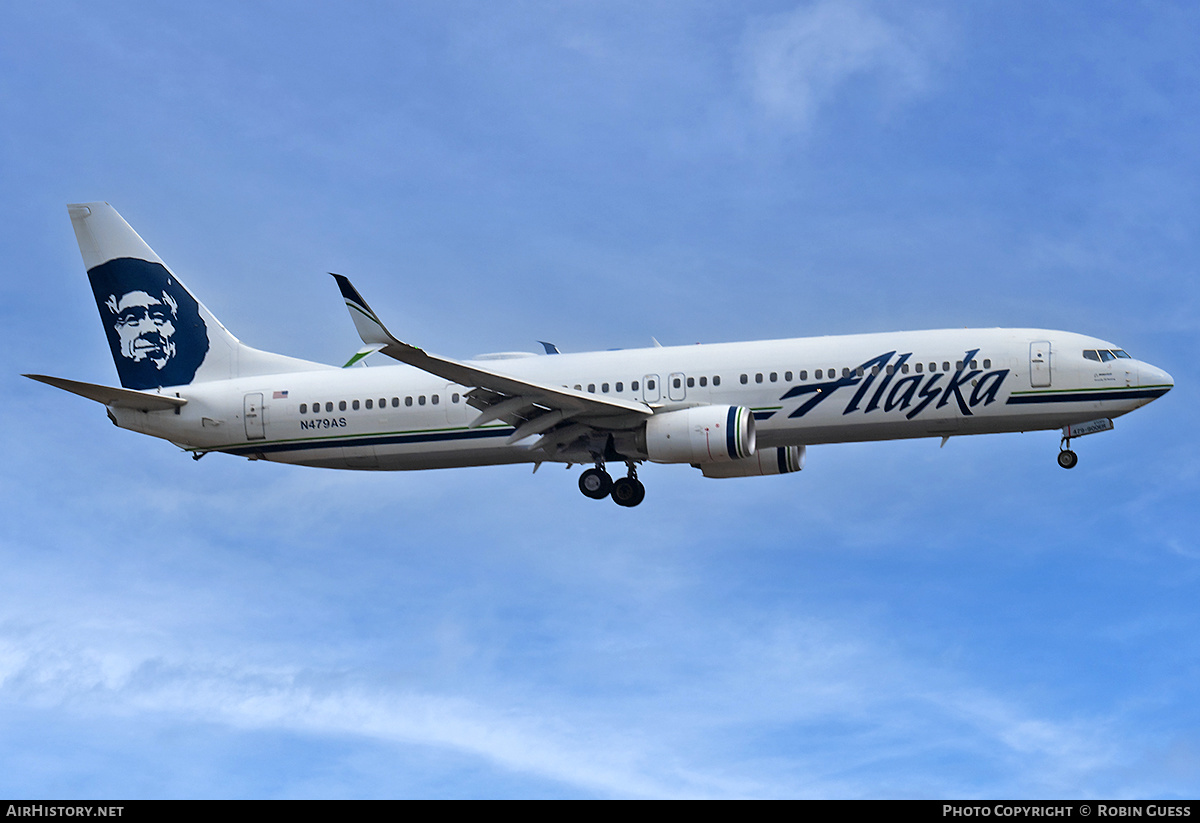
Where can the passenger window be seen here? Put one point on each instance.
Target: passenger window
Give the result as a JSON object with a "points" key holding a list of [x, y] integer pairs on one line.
{"points": [[691, 382], [329, 406], [420, 400], [716, 380], [974, 364], [845, 372], [650, 385], [745, 379], [396, 402], [383, 402], [904, 368], [920, 367], [946, 365], [304, 408], [787, 377], [408, 400], [774, 376], [341, 405], [434, 400], [803, 375], [818, 374], [987, 364], [958, 364], [633, 386], [370, 403], [454, 397], [620, 386], [604, 388], [703, 382], [592, 388], [578, 387], [678, 383], [758, 377], [890, 370], [354, 405]]}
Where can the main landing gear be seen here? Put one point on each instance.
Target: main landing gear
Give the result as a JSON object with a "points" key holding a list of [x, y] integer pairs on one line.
{"points": [[626, 491]]}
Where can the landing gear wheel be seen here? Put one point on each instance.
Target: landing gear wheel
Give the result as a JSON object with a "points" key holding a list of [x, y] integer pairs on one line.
{"points": [[1067, 459], [595, 483], [628, 492]]}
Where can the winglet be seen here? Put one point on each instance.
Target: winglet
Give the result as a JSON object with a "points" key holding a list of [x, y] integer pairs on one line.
{"points": [[370, 327], [549, 347]]}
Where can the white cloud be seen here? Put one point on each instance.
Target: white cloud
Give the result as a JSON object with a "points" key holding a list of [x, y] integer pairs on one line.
{"points": [[799, 680], [800, 61]]}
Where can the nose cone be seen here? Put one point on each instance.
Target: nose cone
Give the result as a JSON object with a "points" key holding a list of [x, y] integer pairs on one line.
{"points": [[1155, 378]]}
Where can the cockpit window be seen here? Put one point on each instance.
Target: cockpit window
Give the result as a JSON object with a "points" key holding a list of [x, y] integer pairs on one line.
{"points": [[1104, 355]]}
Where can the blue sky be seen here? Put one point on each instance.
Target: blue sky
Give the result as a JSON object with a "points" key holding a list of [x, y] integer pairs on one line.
{"points": [[897, 620]]}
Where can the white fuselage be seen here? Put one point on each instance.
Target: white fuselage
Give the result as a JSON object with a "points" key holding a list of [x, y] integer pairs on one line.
{"points": [[802, 391]]}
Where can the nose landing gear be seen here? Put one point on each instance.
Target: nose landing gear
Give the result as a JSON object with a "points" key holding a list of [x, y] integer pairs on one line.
{"points": [[597, 484], [1067, 458]]}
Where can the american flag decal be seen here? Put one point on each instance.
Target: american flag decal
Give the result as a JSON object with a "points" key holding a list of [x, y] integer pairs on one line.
{"points": [[279, 395]]}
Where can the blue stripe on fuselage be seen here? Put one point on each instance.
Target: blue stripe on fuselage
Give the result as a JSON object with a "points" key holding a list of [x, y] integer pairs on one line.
{"points": [[369, 440]]}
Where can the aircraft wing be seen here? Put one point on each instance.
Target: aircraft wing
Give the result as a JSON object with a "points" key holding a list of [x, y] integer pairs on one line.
{"points": [[109, 396], [533, 408]]}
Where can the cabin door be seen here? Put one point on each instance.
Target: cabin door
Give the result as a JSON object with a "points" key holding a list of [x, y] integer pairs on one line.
{"points": [[252, 413], [1039, 364]]}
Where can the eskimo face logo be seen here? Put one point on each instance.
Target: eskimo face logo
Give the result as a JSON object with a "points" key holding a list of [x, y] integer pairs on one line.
{"points": [[154, 326], [145, 326]]}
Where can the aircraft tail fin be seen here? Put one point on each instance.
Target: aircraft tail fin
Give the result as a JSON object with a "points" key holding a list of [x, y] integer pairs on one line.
{"points": [[160, 335]]}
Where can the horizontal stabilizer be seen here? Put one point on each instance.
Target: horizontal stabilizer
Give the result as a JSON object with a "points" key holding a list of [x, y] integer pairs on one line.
{"points": [[109, 396]]}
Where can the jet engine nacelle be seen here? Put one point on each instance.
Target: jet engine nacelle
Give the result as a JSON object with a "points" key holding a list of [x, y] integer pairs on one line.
{"points": [[702, 435], [782, 460]]}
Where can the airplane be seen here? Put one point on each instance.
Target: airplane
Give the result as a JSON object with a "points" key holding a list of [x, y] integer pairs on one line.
{"points": [[731, 409]]}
